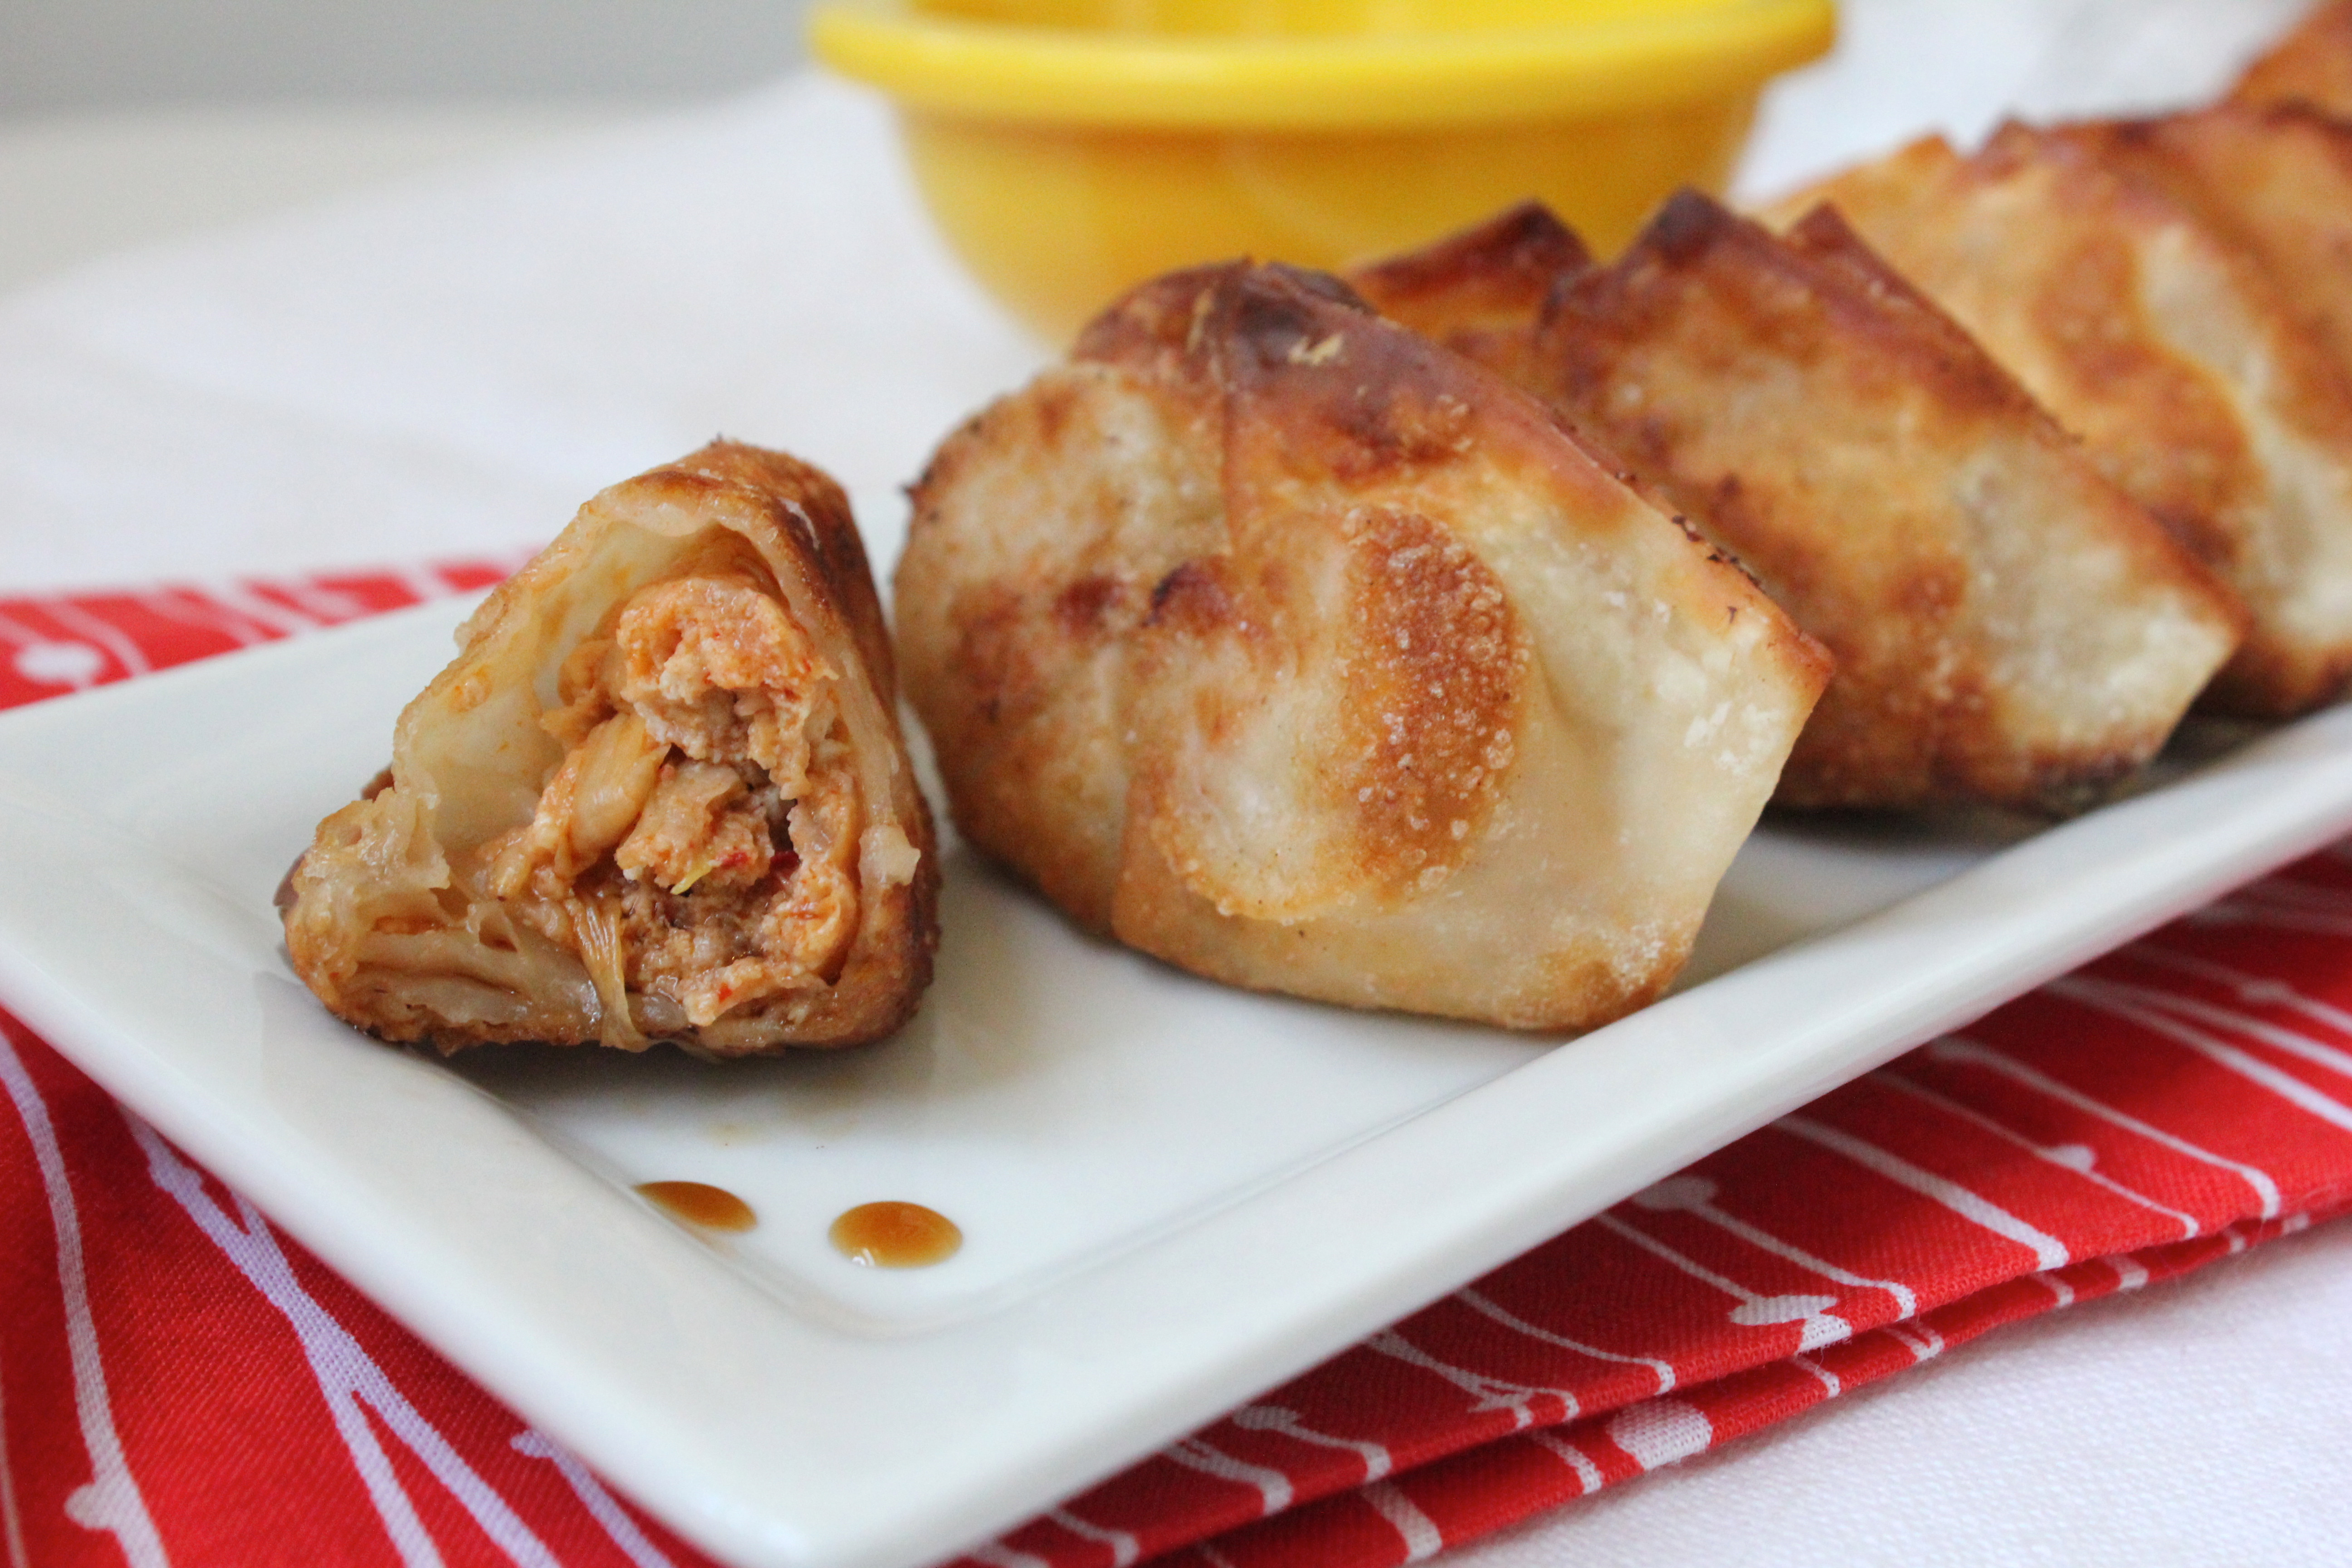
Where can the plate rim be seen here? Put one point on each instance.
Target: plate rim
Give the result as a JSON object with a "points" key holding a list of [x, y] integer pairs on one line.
{"points": [[2105, 878]]}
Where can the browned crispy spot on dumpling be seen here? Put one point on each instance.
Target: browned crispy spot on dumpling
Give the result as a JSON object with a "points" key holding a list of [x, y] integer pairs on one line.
{"points": [[2007, 625], [2161, 344], [1303, 655], [1479, 292]]}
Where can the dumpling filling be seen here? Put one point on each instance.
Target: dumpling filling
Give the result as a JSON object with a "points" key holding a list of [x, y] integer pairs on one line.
{"points": [[696, 844]]}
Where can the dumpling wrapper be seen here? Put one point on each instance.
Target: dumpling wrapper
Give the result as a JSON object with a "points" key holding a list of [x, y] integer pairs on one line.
{"points": [[1274, 641], [2275, 180], [2313, 64], [2010, 629], [661, 794], [2146, 333], [1480, 292]]}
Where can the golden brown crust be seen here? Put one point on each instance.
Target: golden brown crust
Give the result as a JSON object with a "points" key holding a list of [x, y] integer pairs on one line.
{"points": [[1479, 292], [1437, 662], [1015, 636], [2313, 64], [2007, 627], [406, 921], [2166, 349], [2274, 180], [1751, 384], [1288, 648]]}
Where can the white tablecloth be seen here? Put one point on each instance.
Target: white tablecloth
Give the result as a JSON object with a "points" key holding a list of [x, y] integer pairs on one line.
{"points": [[445, 367]]}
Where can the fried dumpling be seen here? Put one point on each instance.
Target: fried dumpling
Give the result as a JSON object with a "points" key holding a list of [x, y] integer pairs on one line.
{"points": [[1274, 641], [661, 794], [2275, 180], [2313, 64], [2166, 349], [2009, 627], [1479, 292]]}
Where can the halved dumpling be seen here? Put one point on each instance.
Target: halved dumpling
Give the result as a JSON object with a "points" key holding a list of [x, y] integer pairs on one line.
{"points": [[2165, 348], [2009, 627], [1277, 642], [661, 794]]}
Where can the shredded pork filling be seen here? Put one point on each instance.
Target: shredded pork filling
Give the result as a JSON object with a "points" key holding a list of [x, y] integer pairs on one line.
{"points": [[696, 841]]}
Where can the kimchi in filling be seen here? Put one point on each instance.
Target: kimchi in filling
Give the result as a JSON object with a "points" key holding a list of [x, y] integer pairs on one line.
{"points": [[697, 841]]}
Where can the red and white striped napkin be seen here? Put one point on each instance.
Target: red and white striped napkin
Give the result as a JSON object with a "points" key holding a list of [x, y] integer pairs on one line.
{"points": [[180, 1383]]}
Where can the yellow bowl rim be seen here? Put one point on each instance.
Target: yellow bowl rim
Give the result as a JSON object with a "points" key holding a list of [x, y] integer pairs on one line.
{"points": [[1081, 77]]}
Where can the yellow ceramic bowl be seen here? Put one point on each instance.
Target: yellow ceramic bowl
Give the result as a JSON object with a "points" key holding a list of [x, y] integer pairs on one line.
{"points": [[1070, 148]]}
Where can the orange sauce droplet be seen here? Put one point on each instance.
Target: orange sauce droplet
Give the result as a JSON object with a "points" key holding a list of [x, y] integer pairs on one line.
{"points": [[896, 1236], [699, 1203]]}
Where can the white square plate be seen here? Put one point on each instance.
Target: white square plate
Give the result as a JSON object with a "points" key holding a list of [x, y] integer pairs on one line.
{"points": [[1175, 1195]]}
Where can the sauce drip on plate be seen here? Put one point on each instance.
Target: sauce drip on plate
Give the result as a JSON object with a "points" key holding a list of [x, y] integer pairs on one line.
{"points": [[699, 1203], [896, 1236]]}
